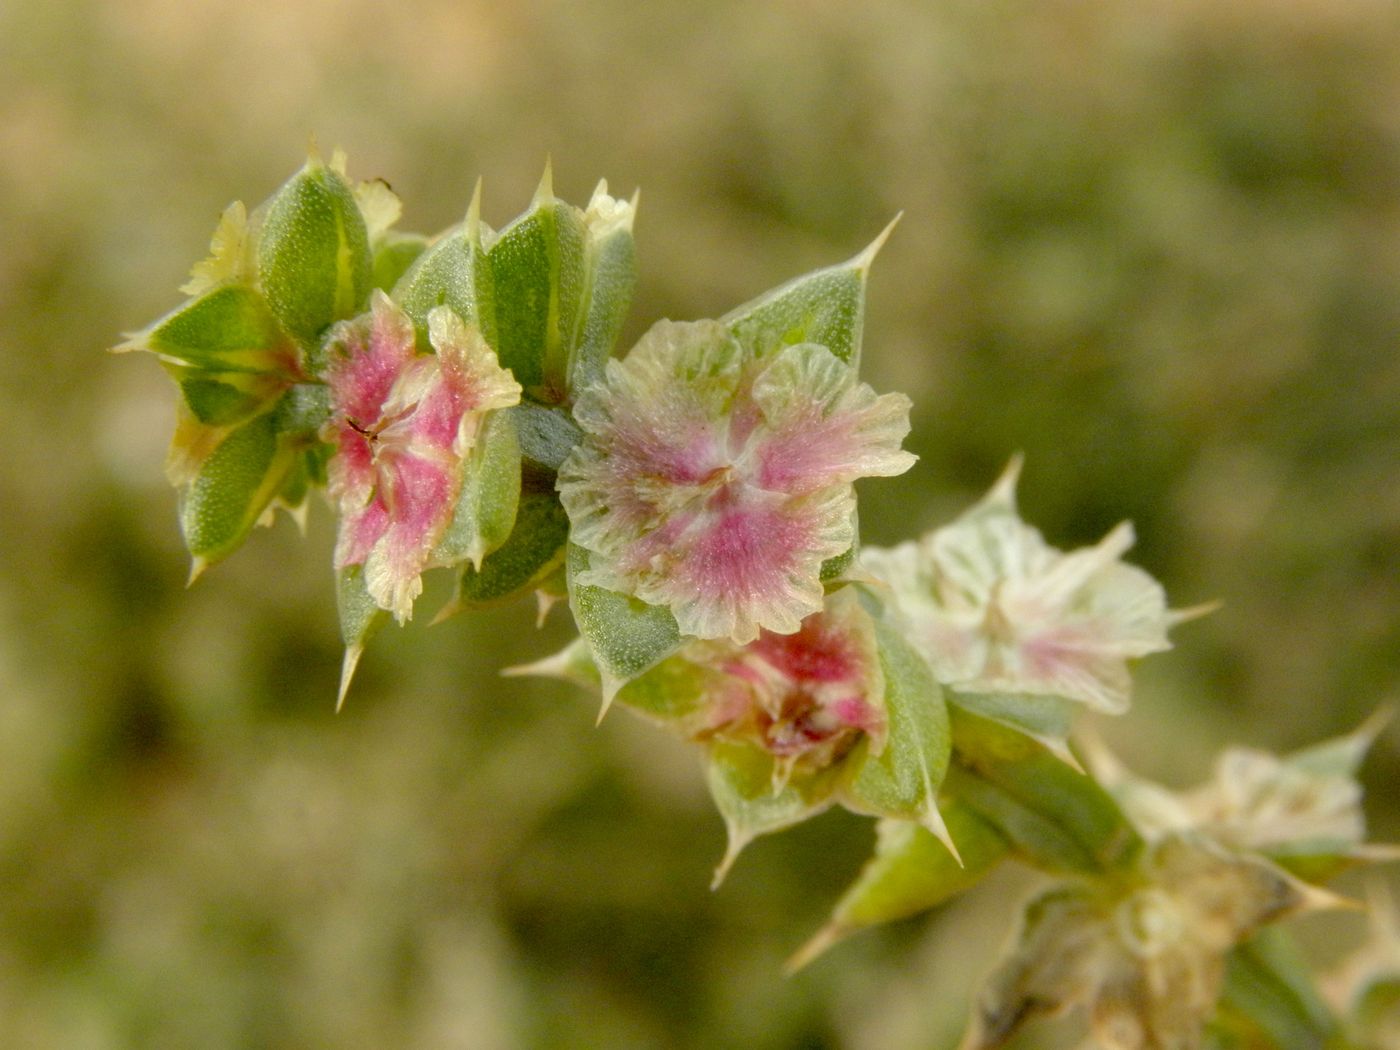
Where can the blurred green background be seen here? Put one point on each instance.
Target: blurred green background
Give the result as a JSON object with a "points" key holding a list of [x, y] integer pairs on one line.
{"points": [[1155, 246]]}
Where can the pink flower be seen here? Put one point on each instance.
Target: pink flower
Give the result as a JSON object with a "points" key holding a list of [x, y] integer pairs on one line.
{"points": [[806, 698], [403, 424], [716, 482]]}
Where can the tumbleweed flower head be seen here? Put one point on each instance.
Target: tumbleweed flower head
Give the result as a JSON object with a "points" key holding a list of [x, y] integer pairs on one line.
{"points": [[1145, 956], [1258, 801], [806, 698], [994, 608], [716, 482], [403, 424], [1305, 804]]}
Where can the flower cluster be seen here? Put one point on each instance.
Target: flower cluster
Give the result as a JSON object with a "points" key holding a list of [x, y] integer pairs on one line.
{"points": [[458, 400]]}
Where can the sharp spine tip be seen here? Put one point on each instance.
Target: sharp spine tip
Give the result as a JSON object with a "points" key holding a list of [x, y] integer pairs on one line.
{"points": [[347, 673]]}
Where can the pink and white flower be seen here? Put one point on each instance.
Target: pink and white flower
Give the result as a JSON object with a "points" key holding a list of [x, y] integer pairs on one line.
{"points": [[806, 698], [403, 425], [716, 482], [995, 609]]}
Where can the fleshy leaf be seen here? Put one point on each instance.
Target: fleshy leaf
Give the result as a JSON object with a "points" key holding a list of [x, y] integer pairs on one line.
{"points": [[452, 272], [910, 872], [1045, 719], [314, 261], [574, 664], [610, 275], [534, 551], [306, 473], [303, 409], [1055, 817], [220, 399], [360, 617], [394, 256], [837, 567], [231, 488], [741, 780], [539, 266], [228, 329], [903, 777], [488, 498], [826, 307], [547, 435], [626, 635], [674, 693]]}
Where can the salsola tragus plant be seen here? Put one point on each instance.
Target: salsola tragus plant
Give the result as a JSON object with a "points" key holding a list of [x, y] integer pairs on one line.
{"points": [[458, 400]]}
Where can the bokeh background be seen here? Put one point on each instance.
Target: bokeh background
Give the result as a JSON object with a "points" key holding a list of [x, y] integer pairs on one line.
{"points": [[1154, 246]]}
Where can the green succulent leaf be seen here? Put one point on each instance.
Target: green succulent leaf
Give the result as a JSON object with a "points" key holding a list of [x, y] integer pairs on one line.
{"points": [[228, 329], [489, 497], [539, 266], [741, 780], [296, 487], [1046, 719], [547, 435], [1054, 816], [574, 664], [221, 399], [303, 409], [393, 256], [910, 872], [533, 552], [903, 778], [1270, 998], [825, 307], [314, 262], [231, 487], [610, 277], [626, 636], [835, 568], [452, 272]]}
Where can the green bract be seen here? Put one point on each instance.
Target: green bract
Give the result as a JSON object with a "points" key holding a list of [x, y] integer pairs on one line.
{"points": [[451, 271], [826, 307], [313, 255]]}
